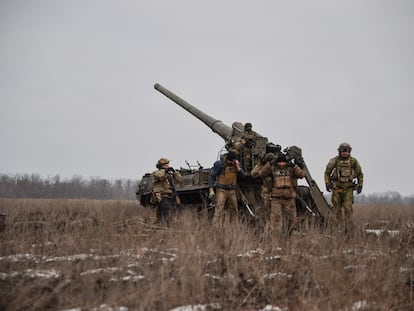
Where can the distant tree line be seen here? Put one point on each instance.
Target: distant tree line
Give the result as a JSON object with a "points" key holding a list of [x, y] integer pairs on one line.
{"points": [[384, 198], [387, 198], [76, 187]]}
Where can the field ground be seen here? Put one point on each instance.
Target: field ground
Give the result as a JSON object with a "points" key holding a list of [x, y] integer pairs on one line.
{"points": [[109, 255]]}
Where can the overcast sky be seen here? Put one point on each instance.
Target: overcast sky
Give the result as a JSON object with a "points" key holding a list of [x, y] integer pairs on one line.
{"points": [[77, 77]]}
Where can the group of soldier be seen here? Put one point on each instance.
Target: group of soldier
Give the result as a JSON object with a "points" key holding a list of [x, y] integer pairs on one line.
{"points": [[279, 174]]}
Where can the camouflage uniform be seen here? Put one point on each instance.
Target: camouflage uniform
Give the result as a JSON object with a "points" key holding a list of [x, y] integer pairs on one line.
{"points": [[283, 195], [223, 177], [163, 195], [263, 212], [343, 175], [247, 141]]}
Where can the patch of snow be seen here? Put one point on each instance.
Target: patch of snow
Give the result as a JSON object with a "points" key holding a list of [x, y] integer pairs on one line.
{"points": [[378, 232], [252, 253], [214, 306], [43, 274], [275, 275], [270, 308]]}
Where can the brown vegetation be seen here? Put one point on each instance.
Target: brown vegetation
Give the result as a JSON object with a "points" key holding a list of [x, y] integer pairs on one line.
{"points": [[62, 254]]}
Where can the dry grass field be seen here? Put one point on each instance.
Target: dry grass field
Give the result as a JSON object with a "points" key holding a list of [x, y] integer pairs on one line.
{"points": [[109, 255]]}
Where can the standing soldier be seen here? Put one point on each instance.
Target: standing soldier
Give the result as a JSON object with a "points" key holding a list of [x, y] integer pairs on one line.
{"points": [[164, 195], [283, 195], [263, 211], [223, 177], [342, 176], [248, 143]]}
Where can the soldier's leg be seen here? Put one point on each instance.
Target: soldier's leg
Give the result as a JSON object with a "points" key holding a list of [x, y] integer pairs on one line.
{"points": [[267, 204], [291, 215], [267, 207], [347, 208], [219, 208], [233, 207], [276, 216], [164, 210], [158, 212], [337, 201], [248, 159], [260, 218]]}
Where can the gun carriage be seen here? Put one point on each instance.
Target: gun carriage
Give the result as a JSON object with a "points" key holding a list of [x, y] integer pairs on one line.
{"points": [[193, 191]]}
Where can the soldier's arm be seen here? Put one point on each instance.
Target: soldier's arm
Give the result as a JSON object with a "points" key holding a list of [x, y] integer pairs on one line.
{"points": [[240, 172], [266, 170], [177, 177], [329, 167], [159, 175], [255, 171], [359, 174], [217, 168], [299, 173]]}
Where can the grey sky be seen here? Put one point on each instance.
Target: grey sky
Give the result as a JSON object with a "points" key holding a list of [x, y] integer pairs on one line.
{"points": [[77, 96]]}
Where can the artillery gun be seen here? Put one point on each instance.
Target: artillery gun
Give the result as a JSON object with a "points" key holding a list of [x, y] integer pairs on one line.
{"points": [[193, 190]]}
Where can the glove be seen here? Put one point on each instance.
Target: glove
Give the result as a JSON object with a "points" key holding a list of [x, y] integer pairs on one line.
{"points": [[359, 189], [211, 195], [170, 170], [329, 187]]}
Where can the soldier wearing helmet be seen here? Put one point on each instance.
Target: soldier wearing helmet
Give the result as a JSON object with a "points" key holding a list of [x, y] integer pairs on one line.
{"points": [[248, 143], [263, 211], [164, 195], [343, 175], [223, 177], [284, 175]]}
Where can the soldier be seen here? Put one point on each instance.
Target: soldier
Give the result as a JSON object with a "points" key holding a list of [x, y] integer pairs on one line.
{"points": [[248, 143], [342, 176], [283, 195], [164, 195], [223, 177], [263, 212]]}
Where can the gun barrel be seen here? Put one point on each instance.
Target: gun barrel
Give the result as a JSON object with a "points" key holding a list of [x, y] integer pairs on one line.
{"points": [[217, 126]]}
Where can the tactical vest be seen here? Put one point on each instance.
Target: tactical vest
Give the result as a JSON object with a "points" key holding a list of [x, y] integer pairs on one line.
{"points": [[161, 183], [229, 177], [283, 178], [344, 170]]}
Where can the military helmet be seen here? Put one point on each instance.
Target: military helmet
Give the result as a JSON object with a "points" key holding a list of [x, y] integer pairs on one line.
{"points": [[163, 161], [344, 147], [231, 156], [248, 125], [271, 147], [281, 158]]}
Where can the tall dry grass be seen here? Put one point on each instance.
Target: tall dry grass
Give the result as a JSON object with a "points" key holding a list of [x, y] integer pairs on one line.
{"points": [[62, 254]]}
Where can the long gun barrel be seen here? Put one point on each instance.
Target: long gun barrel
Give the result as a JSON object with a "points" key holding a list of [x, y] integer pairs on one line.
{"points": [[226, 132], [217, 126]]}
